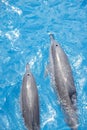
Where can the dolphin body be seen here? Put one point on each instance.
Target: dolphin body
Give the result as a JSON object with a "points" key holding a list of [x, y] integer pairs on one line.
{"points": [[61, 75], [30, 101]]}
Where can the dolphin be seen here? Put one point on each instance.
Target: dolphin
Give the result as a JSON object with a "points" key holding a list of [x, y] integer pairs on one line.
{"points": [[63, 82], [30, 101]]}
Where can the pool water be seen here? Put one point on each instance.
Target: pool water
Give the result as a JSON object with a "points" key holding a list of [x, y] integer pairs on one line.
{"points": [[24, 37]]}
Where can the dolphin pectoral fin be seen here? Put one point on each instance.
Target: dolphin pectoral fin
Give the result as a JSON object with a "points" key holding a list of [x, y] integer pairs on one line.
{"points": [[47, 70], [73, 98]]}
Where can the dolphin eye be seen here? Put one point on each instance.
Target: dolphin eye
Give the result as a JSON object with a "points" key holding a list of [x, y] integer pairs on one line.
{"points": [[56, 45]]}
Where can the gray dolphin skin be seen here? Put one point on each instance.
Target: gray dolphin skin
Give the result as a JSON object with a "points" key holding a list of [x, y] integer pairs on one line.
{"points": [[61, 75], [30, 101]]}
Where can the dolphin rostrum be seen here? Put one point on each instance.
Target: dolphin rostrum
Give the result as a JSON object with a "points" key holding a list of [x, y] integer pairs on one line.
{"points": [[30, 101], [61, 75]]}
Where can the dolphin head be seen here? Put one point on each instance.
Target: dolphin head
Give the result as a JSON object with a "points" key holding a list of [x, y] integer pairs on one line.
{"points": [[28, 73], [55, 47]]}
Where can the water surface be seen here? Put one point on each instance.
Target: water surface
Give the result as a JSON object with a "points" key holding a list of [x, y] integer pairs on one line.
{"points": [[24, 28]]}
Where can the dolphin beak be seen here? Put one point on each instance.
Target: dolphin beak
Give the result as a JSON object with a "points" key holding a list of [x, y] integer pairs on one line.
{"points": [[27, 68], [52, 39], [51, 36]]}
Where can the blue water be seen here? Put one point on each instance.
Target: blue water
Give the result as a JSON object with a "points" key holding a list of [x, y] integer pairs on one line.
{"points": [[24, 29]]}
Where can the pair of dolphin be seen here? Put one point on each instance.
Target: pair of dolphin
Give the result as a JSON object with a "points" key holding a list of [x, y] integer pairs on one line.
{"points": [[61, 75]]}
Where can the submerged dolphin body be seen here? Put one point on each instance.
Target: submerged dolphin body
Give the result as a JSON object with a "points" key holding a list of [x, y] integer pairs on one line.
{"points": [[30, 101], [61, 74]]}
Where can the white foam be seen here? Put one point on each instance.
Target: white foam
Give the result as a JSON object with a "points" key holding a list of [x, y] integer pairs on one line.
{"points": [[13, 35], [7, 59], [39, 53], [82, 82], [78, 61], [15, 9], [51, 116], [32, 61]]}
